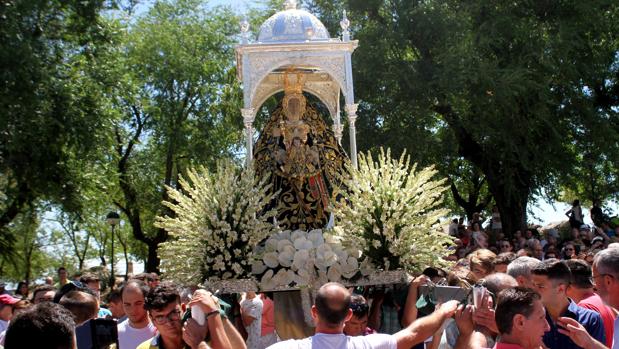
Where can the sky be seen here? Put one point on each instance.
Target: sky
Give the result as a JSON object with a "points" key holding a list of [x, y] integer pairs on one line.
{"points": [[545, 213], [240, 6]]}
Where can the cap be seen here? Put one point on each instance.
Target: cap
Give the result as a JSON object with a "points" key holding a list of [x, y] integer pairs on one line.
{"points": [[596, 239], [8, 299], [554, 233], [584, 227]]}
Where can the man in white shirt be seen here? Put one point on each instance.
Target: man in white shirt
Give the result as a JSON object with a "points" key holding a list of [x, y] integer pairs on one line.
{"points": [[331, 310], [137, 328]]}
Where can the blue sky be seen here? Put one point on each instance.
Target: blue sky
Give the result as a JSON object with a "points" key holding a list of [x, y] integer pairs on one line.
{"points": [[239, 5]]}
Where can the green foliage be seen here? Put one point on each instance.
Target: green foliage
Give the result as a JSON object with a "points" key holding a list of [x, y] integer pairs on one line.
{"points": [[29, 259], [514, 88], [391, 212], [177, 103], [218, 219], [50, 107]]}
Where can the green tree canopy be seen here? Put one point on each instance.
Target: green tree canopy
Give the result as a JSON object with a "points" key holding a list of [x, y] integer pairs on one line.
{"points": [[50, 107], [517, 86], [178, 103]]}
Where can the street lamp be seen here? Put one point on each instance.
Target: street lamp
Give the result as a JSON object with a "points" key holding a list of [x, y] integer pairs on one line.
{"points": [[112, 219]]}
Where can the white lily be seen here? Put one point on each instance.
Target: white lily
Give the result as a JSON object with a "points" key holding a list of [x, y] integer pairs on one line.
{"points": [[281, 244], [315, 236], [297, 234], [267, 280], [271, 245]]}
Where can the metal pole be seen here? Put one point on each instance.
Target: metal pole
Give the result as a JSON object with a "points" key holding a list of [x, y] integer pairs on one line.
{"points": [[112, 278]]}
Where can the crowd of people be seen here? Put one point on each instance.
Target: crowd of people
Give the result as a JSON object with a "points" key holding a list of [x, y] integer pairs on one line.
{"points": [[140, 313], [533, 290]]}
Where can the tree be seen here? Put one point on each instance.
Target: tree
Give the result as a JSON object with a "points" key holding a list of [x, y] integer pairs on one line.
{"points": [[79, 239], [514, 83], [29, 258], [49, 106], [179, 104], [469, 189]]}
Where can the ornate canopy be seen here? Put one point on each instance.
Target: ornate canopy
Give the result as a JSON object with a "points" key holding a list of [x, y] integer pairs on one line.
{"points": [[294, 38]]}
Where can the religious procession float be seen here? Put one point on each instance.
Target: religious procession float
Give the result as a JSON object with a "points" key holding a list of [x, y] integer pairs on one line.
{"points": [[301, 211]]}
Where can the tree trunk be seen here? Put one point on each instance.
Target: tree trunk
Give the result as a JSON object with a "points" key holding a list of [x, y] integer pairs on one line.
{"points": [[510, 199], [152, 261], [126, 265], [131, 206], [470, 205], [123, 244], [512, 208]]}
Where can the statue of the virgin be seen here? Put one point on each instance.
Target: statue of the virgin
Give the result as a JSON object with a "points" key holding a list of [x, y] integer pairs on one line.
{"points": [[301, 157]]}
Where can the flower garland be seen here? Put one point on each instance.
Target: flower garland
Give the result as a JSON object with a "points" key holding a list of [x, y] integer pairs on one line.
{"points": [[392, 213], [218, 218]]}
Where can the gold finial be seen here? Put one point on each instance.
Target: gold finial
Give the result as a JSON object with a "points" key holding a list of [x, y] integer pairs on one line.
{"points": [[290, 4]]}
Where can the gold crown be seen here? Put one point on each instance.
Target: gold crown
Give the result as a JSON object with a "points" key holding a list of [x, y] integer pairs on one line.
{"points": [[295, 87]]}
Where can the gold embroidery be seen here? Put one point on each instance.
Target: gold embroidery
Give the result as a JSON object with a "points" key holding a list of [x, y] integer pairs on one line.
{"points": [[301, 156]]}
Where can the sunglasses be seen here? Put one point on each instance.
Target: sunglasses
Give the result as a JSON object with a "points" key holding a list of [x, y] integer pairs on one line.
{"points": [[359, 307]]}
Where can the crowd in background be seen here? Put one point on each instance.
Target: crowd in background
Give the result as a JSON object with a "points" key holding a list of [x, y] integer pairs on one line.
{"points": [[532, 288]]}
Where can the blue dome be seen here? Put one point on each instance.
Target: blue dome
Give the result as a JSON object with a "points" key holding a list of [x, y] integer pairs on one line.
{"points": [[292, 26]]}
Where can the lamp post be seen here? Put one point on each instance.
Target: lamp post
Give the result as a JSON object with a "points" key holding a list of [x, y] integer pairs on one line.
{"points": [[112, 219]]}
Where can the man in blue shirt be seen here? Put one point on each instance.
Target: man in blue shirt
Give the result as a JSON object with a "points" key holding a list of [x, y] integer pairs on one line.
{"points": [[551, 279]]}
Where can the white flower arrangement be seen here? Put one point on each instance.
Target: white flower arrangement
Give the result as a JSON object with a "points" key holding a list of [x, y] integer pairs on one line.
{"points": [[391, 212], [299, 258], [218, 218]]}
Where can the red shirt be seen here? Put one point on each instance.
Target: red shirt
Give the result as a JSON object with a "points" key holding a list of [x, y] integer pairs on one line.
{"points": [[595, 303], [268, 317]]}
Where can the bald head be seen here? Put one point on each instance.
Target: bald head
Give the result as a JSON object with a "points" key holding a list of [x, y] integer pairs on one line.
{"points": [[333, 304], [497, 282]]}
